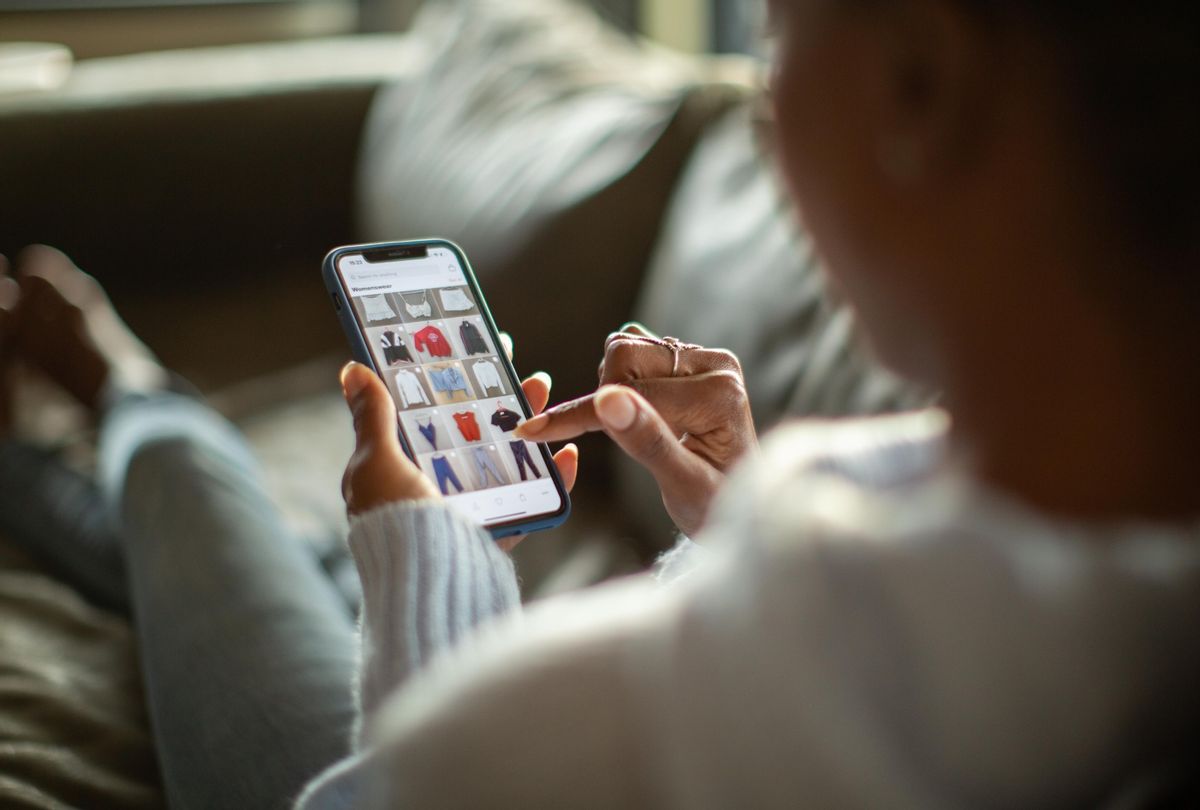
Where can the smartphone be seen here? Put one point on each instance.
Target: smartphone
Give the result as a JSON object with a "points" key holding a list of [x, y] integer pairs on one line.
{"points": [[414, 313]]}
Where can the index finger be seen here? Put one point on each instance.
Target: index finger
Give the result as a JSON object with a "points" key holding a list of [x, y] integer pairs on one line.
{"points": [[537, 391], [630, 329], [566, 421]]}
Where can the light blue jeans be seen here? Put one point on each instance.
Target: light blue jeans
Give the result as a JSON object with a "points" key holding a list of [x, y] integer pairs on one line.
{"points": [[248, 651]]}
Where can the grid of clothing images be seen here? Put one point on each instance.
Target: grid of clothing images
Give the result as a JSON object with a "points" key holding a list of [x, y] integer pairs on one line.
{"points": [[456, 404]]}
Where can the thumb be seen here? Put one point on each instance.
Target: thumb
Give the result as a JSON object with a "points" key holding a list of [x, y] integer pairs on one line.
{"points": [[370, 405], [638, 429]]}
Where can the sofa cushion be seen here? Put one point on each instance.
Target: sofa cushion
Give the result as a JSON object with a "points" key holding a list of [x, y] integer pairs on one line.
{"points": [[529, 107], [74, 725], [547, 144]]}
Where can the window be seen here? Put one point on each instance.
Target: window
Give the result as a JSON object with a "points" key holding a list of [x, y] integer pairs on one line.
{"points": [[704, 26]]}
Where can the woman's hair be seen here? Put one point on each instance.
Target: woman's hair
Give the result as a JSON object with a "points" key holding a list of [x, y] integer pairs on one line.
{"points": [[1132, 71]]}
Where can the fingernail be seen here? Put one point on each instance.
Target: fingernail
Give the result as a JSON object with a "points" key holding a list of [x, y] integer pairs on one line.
{"points": [[353, 379], [544, 377], [532, 426], [615, 407]]}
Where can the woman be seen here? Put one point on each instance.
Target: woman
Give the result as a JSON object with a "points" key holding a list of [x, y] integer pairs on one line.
{"points": [[995, 604]]}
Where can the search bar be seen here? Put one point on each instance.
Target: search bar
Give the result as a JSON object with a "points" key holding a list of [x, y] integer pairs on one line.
{"points": [[399, 277]]}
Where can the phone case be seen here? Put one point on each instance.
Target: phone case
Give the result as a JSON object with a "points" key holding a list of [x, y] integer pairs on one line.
{"points": [[361, 353]]}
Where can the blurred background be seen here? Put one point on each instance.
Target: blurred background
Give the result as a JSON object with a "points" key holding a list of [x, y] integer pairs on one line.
{"points": [[111, 27], [235, 136]]}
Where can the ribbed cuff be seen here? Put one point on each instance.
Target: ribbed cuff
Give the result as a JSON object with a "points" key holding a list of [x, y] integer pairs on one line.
{"points": [[683, 558], [429, 577]]}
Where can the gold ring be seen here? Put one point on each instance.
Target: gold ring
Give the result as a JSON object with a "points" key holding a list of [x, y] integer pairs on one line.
{"points": [[675, 345]]}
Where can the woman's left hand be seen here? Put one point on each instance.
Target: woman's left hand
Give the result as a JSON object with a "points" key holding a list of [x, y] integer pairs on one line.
{"points": [[379, 472]]}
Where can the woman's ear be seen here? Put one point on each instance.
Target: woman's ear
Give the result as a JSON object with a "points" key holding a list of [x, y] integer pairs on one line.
{"points": [[932, 89]]}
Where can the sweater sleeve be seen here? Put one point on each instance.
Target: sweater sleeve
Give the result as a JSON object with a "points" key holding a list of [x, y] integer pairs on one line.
{"points": [[429, 577]]}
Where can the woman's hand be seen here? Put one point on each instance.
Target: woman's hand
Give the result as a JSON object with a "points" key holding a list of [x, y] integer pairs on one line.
{"points": [[379, 473], [680, 410]]}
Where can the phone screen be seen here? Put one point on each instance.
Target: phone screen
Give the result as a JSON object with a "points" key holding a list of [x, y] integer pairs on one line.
{"points": [[456, 394]]}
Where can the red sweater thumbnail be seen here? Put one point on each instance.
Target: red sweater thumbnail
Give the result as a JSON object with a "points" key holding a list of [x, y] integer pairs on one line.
{"points": [[433, 341]]}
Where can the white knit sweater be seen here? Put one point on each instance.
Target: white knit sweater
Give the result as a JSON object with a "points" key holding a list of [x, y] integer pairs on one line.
{"points": [[865, 629]]}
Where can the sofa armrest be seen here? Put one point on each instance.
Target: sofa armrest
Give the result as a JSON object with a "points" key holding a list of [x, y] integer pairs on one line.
{"points": [[188, 168]]}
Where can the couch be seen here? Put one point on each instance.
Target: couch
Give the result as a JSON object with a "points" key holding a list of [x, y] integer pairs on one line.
{"points": [[591, 179]]}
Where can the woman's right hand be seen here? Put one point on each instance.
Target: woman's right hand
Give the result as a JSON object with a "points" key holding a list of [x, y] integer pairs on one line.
{"points": [[680, 410]]}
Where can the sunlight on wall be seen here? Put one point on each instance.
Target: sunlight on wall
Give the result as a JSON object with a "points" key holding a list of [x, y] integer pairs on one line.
{"points": [[680, 24]]}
